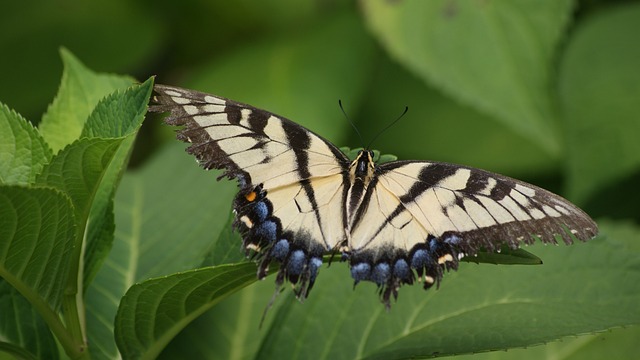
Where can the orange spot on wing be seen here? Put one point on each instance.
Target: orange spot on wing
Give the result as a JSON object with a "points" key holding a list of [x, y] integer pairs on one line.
{"points": [[251, 196]]}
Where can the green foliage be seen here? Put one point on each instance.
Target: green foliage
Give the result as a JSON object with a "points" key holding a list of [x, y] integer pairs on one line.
{"points": [[538, 91], [155, 311], [46, 215], [511, 43], [600, 85]]}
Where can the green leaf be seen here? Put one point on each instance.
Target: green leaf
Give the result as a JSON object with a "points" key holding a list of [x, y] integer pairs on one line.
{"points": [[99, 237], [23, 152], [613, 344], [153, 312], [37, 229], [172, 186], [226, 249], [169, 215], [23, 328], [599, 94], [80, 90], [438, 128], [78, 169], [496, 56], [506, 256], [87, 171], [299, 76], [120, 114], [580, 289], [232, 326]]}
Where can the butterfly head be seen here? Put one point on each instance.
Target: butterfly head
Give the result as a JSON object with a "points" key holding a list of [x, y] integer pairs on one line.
{"points": [[363, 165]]}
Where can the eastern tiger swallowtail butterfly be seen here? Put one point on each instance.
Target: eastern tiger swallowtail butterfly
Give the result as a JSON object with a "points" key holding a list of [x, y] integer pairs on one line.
{"points": [[395, 223]]}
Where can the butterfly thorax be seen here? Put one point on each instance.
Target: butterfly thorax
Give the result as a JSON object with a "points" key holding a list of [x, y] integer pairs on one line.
{"points": [[360, 175]]}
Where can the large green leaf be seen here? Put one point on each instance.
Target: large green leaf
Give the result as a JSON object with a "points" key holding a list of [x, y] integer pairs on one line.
{"points": [[153, 312], [226, 249], [86, 172], [599, 92], [439, 128], [579, 289], [23, 328], [23, 152], [169, 215], [80, 90], [37, 229], [614, 344], [119, 115], [77, 171], [232, 327], [496, 55]]}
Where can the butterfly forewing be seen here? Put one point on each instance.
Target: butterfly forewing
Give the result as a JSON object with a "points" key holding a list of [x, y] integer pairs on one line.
{"points": [[485, 210], [246, 142]]}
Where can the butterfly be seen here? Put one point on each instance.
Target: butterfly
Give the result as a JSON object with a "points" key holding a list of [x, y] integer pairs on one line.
{"points": [[396, 223]]}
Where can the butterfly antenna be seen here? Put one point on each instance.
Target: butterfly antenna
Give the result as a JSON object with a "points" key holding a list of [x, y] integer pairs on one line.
{"points": [[350, 122], [406, 108], [269, 305]]}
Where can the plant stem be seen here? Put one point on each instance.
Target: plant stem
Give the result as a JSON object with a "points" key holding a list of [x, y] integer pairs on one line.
{"points": [[78, 349], [68, 342], [72, 301]]}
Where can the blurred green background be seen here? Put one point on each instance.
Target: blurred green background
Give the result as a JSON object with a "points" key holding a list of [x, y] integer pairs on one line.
{"points": [[494, 85], [546, 91]]}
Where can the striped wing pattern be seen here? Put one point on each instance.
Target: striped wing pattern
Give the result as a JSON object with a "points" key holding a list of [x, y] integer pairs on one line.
{"points": [[300, 198]]}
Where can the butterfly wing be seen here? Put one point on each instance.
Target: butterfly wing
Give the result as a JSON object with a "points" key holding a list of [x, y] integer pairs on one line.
{"points": [[292, 181], [426, 215]]}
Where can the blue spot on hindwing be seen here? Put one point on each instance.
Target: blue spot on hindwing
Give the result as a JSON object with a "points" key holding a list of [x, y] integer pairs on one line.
{"points": [[296, 263], [261, 211], [380, 273], [401, 269], [280, 250], [452, 239], [267, 230], [314, 265], [420, 259], [360, 272]]}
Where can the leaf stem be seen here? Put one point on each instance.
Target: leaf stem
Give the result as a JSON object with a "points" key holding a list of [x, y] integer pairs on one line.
{"points": [[72, 301], [78, 346], [72, 348]]}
